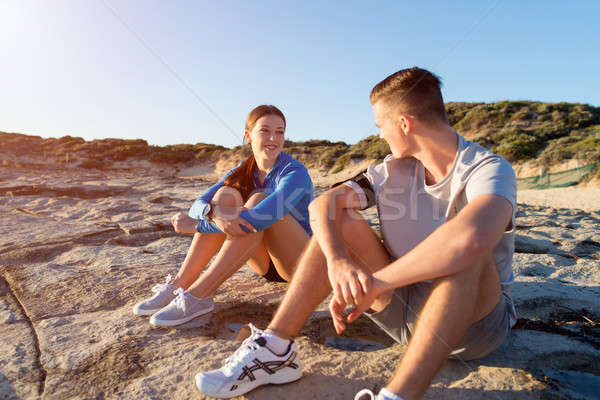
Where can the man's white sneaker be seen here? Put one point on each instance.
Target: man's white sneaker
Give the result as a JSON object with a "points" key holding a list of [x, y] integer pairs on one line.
{"points": [[383, 394], [163, 294], [365, 392], [183, 308], [253, 364]]}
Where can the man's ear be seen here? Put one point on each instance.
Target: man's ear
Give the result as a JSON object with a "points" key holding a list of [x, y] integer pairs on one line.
{"points": [[405, 124]]}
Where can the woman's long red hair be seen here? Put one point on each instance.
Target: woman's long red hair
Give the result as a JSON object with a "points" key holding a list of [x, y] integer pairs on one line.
{"points": [[242, 178]]}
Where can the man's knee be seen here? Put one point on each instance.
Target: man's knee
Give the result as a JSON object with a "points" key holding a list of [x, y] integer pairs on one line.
{"points": [[468, 277], [362, 241], [479, 281], [353, 224]]}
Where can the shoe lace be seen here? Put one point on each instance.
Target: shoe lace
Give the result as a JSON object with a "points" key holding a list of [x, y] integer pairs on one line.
{"points": [[159, 287], [248, 346], [364, 392], [179, 301]]}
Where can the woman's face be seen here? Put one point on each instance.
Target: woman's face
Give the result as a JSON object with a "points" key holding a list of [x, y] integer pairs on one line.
{"points": [[266, 138]]}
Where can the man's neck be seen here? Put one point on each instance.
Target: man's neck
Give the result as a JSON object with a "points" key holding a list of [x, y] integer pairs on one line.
{"points": [[437, 151]]}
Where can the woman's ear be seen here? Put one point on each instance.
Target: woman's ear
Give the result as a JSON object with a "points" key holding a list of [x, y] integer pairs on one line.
{"points": [[246, 135]]}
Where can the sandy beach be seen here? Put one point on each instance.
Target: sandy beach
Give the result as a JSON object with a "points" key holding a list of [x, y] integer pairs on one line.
{"points": [[79, 247]]}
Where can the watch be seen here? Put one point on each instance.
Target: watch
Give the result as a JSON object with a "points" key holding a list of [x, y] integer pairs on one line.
{"points": [[206, 211]]}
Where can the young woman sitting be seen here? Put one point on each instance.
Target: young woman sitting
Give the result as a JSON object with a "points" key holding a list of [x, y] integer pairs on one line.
{"points": [[257, 213]]}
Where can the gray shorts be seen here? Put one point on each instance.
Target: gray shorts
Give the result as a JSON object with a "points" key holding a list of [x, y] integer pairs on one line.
{"points": [[398, 320]]}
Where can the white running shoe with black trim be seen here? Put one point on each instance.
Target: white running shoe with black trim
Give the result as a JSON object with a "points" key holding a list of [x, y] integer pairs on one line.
{"points": [[253, 364], [380, 396], [361, 394]]}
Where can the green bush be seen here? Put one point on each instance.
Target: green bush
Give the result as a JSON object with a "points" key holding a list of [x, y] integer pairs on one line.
{"points": [[341, 163], [582, 144], [328, 158], [522, 147], [372, 148]]}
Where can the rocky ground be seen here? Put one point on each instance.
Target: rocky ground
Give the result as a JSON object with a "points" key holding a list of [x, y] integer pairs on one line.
{"points": [[79, 248]]}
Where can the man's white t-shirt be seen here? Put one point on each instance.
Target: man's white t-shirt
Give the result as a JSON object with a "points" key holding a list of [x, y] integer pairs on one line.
{"points": [[410, 210]]}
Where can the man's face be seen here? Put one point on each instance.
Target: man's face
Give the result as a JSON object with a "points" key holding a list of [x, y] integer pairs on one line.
{"points": [[391, 130]]}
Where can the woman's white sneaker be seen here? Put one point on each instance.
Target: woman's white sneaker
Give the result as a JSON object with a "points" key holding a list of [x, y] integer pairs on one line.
{"points": [[163, 294], [183, 308], [253, 364]]}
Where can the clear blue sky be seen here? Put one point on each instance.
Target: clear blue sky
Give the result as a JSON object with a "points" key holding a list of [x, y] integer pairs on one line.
{"points": [[149, 69]]}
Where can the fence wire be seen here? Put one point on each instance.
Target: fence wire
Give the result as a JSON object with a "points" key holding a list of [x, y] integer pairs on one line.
{"points": [[547, 180]]}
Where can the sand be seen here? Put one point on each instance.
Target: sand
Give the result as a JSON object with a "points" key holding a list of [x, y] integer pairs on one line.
{"points": [[581, 198], [79, 247]]}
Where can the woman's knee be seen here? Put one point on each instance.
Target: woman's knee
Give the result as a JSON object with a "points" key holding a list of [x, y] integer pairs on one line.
{"points": [[254, 199], [227, 196]]}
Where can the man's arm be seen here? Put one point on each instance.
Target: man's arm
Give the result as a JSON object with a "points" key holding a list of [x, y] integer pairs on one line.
{"points": [[347, 280], [458, 243]]}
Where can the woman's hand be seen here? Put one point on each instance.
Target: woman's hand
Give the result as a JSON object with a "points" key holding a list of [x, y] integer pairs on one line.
{"points": [[183, 223], [233, 227]]}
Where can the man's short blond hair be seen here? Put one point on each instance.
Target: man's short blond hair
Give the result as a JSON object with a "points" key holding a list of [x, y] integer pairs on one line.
{"points": [[414, 92]]}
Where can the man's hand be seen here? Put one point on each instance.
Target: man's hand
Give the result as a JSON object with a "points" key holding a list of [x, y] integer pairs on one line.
{"points": [[183, 223], [233, 227], [351, 286], [337, 305]]}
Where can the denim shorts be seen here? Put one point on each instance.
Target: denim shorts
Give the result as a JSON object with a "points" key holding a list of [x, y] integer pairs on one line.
{"points": [[398, 320]]}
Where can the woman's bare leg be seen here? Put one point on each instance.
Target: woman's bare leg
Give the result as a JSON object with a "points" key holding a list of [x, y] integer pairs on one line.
{"points": [[259, 261], [205, 245], [285, 241], [234, 252], [203, 248]]}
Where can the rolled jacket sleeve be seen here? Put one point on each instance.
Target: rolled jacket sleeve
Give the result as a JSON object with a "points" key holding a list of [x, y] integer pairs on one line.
{"points": [[197, 210], [206, 226], [290, 189]]}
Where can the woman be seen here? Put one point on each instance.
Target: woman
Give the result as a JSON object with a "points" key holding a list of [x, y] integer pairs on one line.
{"points": [[257, 213]]}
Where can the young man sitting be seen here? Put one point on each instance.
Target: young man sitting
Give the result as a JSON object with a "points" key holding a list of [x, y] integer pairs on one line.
{"points": [[437, 281]]}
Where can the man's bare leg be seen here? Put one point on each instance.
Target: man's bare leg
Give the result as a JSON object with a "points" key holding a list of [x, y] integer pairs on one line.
{"points": [[308, 288], [455, 302], [310, 284]]}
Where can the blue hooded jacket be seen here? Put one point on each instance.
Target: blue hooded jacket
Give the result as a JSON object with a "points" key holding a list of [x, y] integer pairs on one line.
{"points": [[288, 187]]}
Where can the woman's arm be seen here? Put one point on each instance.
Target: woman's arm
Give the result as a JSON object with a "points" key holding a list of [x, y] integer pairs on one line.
{"points": [[291, 188], [197, 210]]}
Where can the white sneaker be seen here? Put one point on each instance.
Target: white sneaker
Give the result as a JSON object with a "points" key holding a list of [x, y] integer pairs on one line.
{"points": [[183, 308], [364, 392], [163, 294], [253, 364], [372, 396]]}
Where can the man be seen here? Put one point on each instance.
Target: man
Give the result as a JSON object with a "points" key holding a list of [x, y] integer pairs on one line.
{"points": [[438, 279]]}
